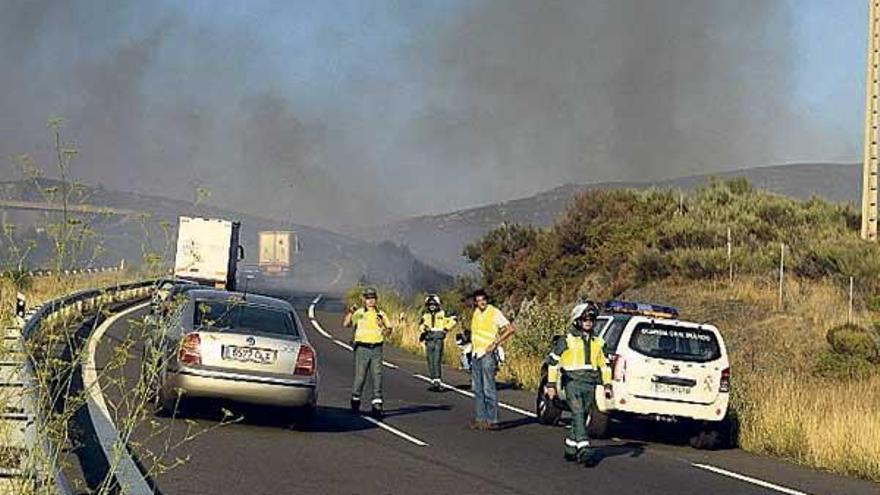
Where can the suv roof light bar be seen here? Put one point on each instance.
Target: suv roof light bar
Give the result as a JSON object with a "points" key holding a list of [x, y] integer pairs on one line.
{"points": [[641, 309]]}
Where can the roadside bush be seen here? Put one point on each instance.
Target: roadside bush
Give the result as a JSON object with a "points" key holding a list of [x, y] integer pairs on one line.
{"points": [[854, 353], [856, 341]]}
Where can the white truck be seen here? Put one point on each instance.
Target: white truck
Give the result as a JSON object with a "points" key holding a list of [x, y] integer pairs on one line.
{"points": [[208, 251], [276, 252]]}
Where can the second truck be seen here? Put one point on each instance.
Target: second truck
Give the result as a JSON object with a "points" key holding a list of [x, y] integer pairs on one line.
{"points": [[277, 248]]}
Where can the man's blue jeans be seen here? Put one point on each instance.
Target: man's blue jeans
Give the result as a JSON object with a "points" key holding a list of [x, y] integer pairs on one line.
{"points": [[485, 395]]}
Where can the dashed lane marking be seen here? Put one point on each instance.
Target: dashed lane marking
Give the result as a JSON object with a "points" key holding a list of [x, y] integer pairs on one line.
{"points": [[453, 388], [749, 479], [395, 431]]}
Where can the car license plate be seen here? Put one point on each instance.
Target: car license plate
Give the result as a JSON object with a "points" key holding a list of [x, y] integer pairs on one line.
{"points": [[663, 388], [249, 354]]}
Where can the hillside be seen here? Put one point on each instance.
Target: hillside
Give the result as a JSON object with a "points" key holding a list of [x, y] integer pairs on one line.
{"points": [[439, 239], [135, 225]]}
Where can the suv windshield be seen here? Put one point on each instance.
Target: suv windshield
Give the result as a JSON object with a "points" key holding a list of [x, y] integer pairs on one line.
{"points": [[232, 315], [676, 343]]}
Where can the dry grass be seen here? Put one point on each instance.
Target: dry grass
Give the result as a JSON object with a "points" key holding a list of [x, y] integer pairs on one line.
{"points": [[833, 426], [43, 289]]}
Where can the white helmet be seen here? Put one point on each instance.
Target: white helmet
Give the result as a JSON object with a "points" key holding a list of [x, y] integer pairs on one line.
{"points": [[432, 298], [584, 310]]}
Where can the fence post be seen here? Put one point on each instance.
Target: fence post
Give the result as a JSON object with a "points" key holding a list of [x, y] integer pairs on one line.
{"points": [[729, 257], [781, 272], [849, 318]]}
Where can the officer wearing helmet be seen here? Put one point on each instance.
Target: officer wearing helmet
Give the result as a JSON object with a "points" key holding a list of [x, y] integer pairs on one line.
{"points": [[580, 358], [434, 325]]}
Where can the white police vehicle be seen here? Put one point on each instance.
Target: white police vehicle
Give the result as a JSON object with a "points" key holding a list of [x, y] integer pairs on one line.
{"points": [[663, 369]]}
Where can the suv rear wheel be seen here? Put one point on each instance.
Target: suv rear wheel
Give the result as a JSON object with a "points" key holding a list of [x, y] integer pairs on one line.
{"points": [[712, 435], [547, 410]]}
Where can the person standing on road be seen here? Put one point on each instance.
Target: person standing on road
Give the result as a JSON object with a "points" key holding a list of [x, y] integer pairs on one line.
{"points": [[435, 324], [581, 358], [489, 329], [371, 326]]}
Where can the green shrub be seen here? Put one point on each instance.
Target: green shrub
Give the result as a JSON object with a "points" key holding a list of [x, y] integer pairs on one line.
{"points": [[856, 341], [623, 238]]}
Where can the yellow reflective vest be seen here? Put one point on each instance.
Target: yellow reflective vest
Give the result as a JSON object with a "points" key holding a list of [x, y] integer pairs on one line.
{"points": [[483, 328], [437, 321], [366, 326], [571, 354]]}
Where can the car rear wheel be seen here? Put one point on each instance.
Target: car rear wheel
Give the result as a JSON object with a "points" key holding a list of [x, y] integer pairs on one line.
{"points": [[712, 435], [164, 402], [547, 410]]}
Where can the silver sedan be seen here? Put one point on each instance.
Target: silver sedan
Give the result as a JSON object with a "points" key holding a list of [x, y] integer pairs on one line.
{"points": [[241, 347]]}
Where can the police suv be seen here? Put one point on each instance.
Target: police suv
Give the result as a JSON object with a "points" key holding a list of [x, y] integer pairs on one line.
{"points": [[663, 369]]}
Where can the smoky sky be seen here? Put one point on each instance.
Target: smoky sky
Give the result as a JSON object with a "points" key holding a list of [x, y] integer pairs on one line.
{"points": [[341, 113]]}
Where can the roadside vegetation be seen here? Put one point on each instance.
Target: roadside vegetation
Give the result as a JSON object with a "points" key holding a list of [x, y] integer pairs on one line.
{"points": [[806, 367], [64, 245]]}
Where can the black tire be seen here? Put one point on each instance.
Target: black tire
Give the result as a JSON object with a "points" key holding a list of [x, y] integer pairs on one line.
{"points": [[547, 410], [712, 435], [164, 404], [600, 424]]}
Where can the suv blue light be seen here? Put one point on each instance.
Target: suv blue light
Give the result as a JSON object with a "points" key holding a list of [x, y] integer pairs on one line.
{"points": [[642, 309]]}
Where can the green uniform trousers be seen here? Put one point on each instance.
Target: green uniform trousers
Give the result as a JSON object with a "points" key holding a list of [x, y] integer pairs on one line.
{"points": [[367, 359], [434, 353], [581, 398]]}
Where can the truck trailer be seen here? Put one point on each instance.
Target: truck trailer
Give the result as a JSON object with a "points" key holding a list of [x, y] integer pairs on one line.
{"points": [[277, 248], [208, 251]]}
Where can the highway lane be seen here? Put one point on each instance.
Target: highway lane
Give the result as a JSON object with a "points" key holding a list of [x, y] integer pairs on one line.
{"points": [[344, 453]]}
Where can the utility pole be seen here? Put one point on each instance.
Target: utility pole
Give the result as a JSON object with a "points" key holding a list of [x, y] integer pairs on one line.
{"points": [[872, 119]]}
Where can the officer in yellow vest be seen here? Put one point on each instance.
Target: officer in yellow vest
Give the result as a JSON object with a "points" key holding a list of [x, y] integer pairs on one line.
{"points": [[435, 323], [489, 329], [581, 359], [371, 326]]}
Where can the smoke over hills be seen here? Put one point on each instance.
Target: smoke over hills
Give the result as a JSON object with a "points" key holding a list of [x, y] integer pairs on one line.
{"points": [[363, 112]]}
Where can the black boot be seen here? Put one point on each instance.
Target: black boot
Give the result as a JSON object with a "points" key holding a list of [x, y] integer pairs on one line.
{"points": [[376, 411], [570, 457], [355, 405]]}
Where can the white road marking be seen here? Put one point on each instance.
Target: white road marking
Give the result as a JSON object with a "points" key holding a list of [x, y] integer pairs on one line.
{"points": [[390, 365], [320, 329], [748, 479], [502, 405], [339, 270], [343, 344], [395, 431], [312, 306], [126, 471]]}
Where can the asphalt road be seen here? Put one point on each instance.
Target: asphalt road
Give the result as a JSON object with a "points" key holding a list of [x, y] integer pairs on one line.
{"points": [[422, 446]]}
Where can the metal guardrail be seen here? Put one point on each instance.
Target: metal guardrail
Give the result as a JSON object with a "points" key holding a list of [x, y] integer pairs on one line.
{"points": [[19, 374], [48, 272]]}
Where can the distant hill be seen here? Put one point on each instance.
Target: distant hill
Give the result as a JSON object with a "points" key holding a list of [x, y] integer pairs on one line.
{"points": [[439, 239], [129, 224]]}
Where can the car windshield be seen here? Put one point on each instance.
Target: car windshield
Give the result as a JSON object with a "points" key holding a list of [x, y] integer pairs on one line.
{"points": [[675, 343], [236, 315]]}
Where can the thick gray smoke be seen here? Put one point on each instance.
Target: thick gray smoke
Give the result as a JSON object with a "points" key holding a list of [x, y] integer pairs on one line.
{"points": [[388, 110]]}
